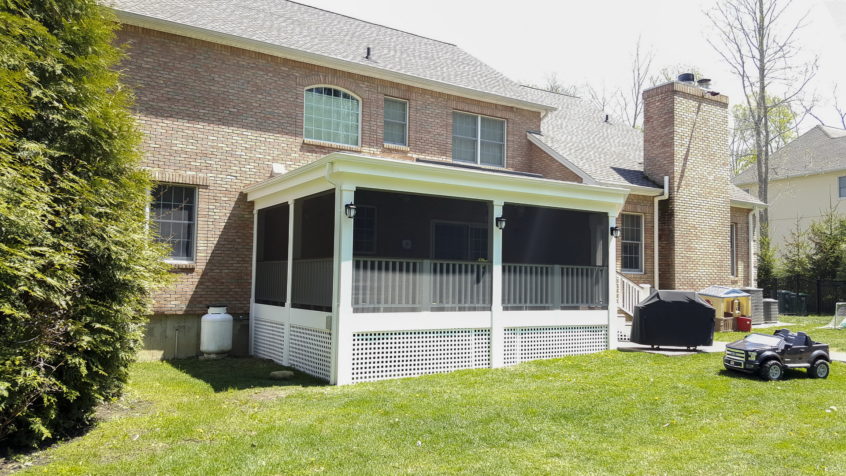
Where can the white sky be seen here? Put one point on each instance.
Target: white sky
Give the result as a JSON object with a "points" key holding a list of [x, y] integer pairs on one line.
{"points": [[592, 41]]}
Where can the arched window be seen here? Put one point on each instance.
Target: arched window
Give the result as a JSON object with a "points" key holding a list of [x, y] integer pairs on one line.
{"points": [[331, 115]]}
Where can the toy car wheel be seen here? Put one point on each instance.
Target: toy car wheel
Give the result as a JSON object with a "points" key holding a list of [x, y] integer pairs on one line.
{"points": [[772, 370], [820, 369]]}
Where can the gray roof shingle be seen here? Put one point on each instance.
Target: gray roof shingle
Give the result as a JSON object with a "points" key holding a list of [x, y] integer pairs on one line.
{"points": [[821, 149], [312, 30], [609, 152]]}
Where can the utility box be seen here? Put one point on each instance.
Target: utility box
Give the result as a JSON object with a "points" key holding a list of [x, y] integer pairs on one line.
{"points": [[729, 302], [757, 298]]}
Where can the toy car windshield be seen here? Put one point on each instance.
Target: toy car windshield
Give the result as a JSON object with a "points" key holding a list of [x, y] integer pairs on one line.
{"points": [[764, 339]]}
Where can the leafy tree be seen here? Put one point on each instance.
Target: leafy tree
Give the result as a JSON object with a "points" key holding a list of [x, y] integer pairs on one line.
{"points": [[797, 256], [77, 264], [767, 263], [782, 122], [827, 238]]}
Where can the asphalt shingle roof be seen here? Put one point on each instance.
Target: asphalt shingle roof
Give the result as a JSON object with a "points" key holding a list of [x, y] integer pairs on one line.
{"points": [[609, 152], [821, 149], [313, 30]]}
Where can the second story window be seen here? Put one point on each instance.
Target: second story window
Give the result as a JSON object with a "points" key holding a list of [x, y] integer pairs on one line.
{"points": [[173, 213], [842, 183], [331, 115], [396, 122], [478, 139]]}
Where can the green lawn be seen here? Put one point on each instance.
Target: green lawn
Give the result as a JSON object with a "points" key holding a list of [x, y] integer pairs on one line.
{"points": [[835, 338], [607, 413]]}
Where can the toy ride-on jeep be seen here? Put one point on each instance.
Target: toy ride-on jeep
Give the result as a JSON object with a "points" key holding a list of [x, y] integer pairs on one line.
{"points": [[770, 355]]}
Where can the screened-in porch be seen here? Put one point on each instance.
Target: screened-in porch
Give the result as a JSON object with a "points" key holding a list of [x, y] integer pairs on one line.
{"points": [[371, 268]]}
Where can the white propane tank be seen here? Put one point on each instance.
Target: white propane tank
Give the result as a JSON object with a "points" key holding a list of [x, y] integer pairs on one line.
{"points": [[216, 332]]}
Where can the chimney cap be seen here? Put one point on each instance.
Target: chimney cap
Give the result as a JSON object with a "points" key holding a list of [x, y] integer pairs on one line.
{"points": [[686, 78], [704, 83]]}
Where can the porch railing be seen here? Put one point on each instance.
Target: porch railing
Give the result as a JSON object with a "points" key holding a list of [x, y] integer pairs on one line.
{"points": [[630, 294], [271, 282], [311, 285], [537, 286], [395, 285]]}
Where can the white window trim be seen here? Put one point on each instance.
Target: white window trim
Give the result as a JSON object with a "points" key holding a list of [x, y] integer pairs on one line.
{"points": [[193, 259], [642, 269], [360, 108], [479, 139], [406, 122]]}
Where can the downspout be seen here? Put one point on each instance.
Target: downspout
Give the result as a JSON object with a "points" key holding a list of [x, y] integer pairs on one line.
{"points": [[655, 200], [751, 278]]}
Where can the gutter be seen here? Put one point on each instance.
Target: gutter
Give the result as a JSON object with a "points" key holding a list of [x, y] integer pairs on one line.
{"points": [[665, 195]]}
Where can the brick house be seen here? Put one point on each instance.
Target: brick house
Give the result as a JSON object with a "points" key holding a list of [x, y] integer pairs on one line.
{"points": [[380, 204]]}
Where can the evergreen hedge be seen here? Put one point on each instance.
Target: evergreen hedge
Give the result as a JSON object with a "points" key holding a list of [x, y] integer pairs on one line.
{"points": [[77, 263]]}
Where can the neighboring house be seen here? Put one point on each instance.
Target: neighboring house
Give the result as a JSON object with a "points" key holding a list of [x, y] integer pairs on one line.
{"points": [[381, 204], [807, 178]]}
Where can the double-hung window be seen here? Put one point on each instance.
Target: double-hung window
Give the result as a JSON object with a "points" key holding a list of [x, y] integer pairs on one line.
{"points": [[174, 216], [478, 139], [631, 238], [396, 122], [331, 115], [841, 182]]}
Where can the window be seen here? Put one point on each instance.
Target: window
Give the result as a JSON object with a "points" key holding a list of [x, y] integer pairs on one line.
{"points": [[733, 237], [842, 183], [364, 230], [396, 121], [631, 237], [173, 213], [478, 139], [331, 115], [459, 241]]}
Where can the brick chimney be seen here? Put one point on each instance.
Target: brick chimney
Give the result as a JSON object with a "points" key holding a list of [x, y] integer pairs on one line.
{"points": [[685, 131]]}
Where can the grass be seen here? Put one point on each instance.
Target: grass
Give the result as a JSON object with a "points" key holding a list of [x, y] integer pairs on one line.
{"points": [[835, 338], [606, 413]]}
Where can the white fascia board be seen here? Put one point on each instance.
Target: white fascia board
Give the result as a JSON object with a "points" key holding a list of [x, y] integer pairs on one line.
{"points": [[167, 26], [345, 169], [745, 204], [636, 189], [299, 182], [534, 139]]}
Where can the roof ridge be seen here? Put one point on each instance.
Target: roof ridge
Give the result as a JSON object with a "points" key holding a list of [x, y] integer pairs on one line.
{"points": [[827, 130], [372, 23], [529, 86]]}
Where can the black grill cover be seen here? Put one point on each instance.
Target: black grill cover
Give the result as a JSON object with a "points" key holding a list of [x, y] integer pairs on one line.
{"points": [[673, 318]]}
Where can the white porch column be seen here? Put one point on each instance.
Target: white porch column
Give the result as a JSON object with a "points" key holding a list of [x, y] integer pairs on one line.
{"points": [[612, 283], [342, 292], [253, 284], [497, 329], [286, 350]]}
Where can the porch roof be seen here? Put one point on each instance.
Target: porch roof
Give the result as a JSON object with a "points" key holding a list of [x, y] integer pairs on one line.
{"points": [[349, 170]]}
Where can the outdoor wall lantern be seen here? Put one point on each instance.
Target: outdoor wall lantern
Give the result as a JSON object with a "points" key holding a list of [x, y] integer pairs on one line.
{"points": [[500, 222], [615, 231], [349, 210]]}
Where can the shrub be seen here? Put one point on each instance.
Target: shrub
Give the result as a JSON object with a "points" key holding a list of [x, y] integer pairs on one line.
{"points": [[77, 263]]}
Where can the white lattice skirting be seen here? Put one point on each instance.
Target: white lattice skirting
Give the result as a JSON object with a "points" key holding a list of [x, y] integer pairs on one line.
{"points": [[531, 343], [269, 339], [384, 355], [311, 351]]}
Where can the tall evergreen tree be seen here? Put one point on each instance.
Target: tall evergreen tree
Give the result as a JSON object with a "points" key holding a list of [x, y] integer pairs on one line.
{"points": [[77, 263]]}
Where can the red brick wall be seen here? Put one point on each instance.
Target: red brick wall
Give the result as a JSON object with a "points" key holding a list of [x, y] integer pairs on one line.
{"points": [[641, 205], [740, 217], [686, 138], [218, 117]]}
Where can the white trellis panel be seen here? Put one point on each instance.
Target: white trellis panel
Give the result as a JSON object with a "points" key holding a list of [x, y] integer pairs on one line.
{"points": [[268, 339], [394, 354], [531, 343], [311, 351]]}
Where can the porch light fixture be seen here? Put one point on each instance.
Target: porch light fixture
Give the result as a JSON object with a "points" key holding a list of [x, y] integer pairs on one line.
{"points": [[349, 210], [615, 231], [500, 222]]}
